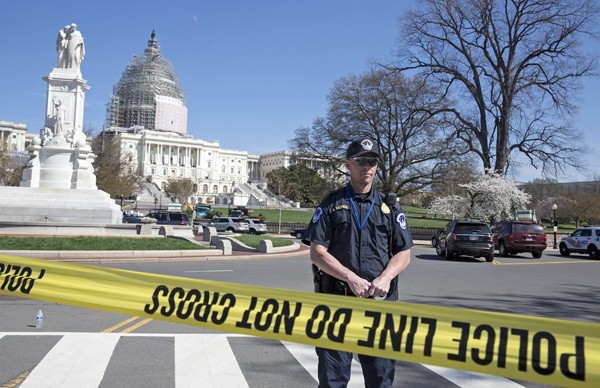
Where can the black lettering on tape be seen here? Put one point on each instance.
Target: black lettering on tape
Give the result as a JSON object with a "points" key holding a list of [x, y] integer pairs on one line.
{"points": [[315, 326], [488, 350], [432, 325], [182, 303], [245, 322], [336, 329], [287, 317], [371, 329], [20, 280], [151, 309], [462, 341], [167, 311], [395, 335], [536, 353], [192, 294], [228, 301], [268, 309], [502, 344], [523, 336], [579, 361]]}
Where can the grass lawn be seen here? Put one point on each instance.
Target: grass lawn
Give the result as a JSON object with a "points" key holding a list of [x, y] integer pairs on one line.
{"points": [[117, 243], [253, 240], [94, 244]]}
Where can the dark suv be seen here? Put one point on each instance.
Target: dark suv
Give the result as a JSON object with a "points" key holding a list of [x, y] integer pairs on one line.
{"points": [[511, 237], [170, 218], [470, 238]]}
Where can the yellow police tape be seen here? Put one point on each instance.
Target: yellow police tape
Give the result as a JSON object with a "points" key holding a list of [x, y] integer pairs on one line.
{"points": [[548, 351]]}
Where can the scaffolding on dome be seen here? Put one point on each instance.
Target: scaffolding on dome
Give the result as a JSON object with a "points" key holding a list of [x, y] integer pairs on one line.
{"points": [[133, 102]]}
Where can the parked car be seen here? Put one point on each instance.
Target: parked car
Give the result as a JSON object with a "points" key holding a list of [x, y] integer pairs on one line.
{"points": [[511, 237], [256, 226], [229, 224], [470, 238], [131, 220], [170, 218], [582, 240], [436, 237], [298, 233]]}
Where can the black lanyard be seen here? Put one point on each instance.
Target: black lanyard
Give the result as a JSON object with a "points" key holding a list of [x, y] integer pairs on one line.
{"points": [[356, 216]]}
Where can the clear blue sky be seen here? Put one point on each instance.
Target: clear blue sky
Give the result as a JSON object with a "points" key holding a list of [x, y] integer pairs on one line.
{"points": [[253, 71]]}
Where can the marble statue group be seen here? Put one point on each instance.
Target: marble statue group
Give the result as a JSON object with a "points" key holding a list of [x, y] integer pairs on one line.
{"points": [[70, 48]]}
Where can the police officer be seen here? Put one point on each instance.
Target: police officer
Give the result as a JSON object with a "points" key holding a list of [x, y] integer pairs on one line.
{"points": [[359, 244]]}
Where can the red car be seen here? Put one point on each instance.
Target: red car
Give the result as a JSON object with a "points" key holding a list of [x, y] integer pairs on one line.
{"points": [[512, 237]]}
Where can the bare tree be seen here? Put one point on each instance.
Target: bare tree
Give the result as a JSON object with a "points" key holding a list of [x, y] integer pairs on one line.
{"points": [[115, 172], [11, 168], [393, 110], [513, 69]]}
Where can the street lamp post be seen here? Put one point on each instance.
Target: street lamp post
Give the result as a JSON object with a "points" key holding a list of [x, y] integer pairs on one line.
{"points": [[555, 223]]}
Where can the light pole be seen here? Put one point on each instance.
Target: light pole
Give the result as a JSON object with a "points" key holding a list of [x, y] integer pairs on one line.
{"points": [[555, 223]]}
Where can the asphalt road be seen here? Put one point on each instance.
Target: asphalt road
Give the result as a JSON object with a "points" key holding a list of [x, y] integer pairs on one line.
{"points": [[553, 286]]}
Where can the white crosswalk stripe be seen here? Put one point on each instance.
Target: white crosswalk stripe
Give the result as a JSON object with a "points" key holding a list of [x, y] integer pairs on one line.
{"points": [[76, 361], [207, 360], [201, 358]]}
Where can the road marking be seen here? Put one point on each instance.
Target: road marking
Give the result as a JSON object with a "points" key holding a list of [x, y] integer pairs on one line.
{"points": [[307, 357], [79, 360], [136, 326], [547, 262], [207, 361], [471, 379], [16, 381], [76, 361], [119, 325]]}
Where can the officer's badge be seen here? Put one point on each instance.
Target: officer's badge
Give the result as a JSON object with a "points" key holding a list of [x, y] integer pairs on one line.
{"points": [[385, 209], [401, 220], [317, 215]]}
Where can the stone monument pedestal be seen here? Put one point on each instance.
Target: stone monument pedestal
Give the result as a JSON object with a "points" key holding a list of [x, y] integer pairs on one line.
{"points": [[58, 185]]}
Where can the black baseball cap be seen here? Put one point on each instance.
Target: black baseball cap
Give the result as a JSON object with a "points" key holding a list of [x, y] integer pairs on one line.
{"points": [[362, 146]]}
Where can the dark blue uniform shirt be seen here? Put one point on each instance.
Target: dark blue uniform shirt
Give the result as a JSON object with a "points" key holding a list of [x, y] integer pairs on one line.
{"points": [[367, 250]]}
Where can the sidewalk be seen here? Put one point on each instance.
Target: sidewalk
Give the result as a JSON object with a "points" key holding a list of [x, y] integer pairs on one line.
{"points": [[105, 257]]}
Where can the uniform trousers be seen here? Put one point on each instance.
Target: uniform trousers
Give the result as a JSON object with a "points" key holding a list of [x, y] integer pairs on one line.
{"points": [[334, 369]]}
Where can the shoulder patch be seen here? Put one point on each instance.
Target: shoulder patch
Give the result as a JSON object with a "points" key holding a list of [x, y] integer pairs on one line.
{"points": [[401, 220], [317, 215]]}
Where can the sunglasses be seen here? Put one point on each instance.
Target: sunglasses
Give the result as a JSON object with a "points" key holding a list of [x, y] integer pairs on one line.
{"points": [[364, 161]]}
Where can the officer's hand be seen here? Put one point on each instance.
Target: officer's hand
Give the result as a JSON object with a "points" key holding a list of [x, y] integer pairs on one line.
{"points": [[359, 286], [379, 288]]}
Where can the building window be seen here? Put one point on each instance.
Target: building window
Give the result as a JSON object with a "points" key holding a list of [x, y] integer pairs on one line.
{"points": [[225, 189], [215, 189], [204, 189], [181, 173], [164, 172]]}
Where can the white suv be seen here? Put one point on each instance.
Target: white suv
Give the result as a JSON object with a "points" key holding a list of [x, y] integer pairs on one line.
{"points": [[582, 240], [230, 224]]}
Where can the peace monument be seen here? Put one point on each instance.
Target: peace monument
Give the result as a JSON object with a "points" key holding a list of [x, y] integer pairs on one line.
{"points": [[58, 184]]}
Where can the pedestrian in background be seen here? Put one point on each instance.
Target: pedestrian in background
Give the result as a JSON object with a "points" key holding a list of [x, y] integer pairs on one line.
{"points": [[359, 244]]}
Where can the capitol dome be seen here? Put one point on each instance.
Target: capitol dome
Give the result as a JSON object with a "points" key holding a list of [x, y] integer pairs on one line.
{"points": [[148, 94]]}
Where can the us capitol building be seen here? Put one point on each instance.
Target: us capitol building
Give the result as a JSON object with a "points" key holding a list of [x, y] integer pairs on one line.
{"points": [[147, 120]]}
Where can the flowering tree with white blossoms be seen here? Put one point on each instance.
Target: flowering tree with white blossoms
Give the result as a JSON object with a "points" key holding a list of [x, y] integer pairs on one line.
{"points": [[491, 197]]}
